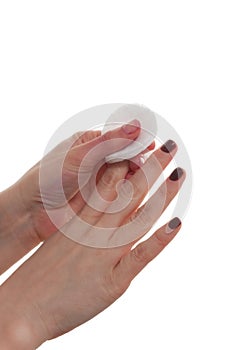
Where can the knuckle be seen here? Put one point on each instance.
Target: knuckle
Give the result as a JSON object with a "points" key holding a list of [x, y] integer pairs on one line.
{"points": [[77, 136], [162, 191], [137, 191], [133, 217], [144, 218], [109, 178], [160, 243], [85, 136], [112, 175], [140, 254], [90, 135], [107, 136], [133, 193], [113, 289]]}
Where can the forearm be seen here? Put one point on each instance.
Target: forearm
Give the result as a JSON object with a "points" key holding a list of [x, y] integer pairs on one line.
{"points": [[17, 236]]}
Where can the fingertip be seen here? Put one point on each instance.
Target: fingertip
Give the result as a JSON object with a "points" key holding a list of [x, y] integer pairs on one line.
{"points": [[177, 174], [174, 223], [129, 131], [132, 127], [173, 226], [117, 139], [152, 146], [169, 146]]}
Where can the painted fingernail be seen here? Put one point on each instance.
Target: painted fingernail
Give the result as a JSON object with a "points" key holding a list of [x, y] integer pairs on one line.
{"points": [[176, 174], [151, 147], [174, 223], [168, 146], [131, 127]]}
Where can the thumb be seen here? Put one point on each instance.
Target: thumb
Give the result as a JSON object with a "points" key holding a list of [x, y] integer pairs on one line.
{"points": [[117, 139]]}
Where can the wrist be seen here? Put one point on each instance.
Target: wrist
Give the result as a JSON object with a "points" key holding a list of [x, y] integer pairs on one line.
{"points": [[11, 208], [15, 217], [17, 236]]}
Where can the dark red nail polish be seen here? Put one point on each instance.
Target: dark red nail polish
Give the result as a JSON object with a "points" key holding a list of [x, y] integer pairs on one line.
{"points": [[174, 223], [168, 146], [176, 174]]}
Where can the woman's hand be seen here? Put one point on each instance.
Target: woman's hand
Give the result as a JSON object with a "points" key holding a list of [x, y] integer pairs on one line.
{"points": [[65, 161], [24, 222], [64, 284]]}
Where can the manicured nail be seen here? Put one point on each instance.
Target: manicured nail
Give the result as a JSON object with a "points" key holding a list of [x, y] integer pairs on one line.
{"points": [[174, 223], [151, 147], [168, 146], [176, 174], [131, 127]]}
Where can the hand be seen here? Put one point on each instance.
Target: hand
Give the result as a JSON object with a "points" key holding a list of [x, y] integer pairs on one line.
{"points": [[64, 283], [78, 147], [24, 222]]}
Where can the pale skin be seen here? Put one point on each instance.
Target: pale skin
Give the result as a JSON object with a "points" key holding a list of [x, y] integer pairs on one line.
{"points": [[23, 221], [64, 284]]}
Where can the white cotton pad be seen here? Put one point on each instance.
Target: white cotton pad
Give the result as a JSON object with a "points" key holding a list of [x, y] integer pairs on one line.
{"points": [[125, 114]]}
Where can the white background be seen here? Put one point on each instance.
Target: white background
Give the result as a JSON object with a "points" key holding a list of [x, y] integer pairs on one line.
{"points": [[60, 57]]}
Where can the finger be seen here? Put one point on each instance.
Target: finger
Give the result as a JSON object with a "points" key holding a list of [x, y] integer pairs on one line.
{"points": [[147, 175], [84, 136], [78, 202], [110, 142], [76, 139], [139, 184], [139, 160], [149, 213], [56, 172], [135, 260], [151, 147], [153, 167], [104, 192], [101, 172]]}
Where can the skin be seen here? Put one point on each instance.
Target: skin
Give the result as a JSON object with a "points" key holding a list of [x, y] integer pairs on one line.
{"points": [[64, 284], [24, 222]]}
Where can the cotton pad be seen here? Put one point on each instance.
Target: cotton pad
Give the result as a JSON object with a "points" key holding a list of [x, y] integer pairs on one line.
{"points": [[125, 114]]}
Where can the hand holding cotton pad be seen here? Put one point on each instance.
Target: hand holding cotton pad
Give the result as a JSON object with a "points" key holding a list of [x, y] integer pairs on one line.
{"points": [[124, 115]]}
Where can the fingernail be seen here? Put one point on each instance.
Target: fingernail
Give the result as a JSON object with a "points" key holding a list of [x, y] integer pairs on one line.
{"points": [[176, 174], [131, 127], [168, 146], [151, 147], [173, 224]]}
